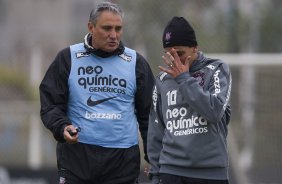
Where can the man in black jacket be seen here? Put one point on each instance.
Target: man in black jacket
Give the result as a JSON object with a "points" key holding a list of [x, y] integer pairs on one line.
{"points": [[94, 97]]}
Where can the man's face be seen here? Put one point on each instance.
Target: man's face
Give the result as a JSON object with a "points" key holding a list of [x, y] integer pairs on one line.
{"points": [[183, 52], [106, 32]]}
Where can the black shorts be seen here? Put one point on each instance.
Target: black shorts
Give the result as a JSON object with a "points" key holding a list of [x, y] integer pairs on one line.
{"points": [[88, 164], [169, 179]]}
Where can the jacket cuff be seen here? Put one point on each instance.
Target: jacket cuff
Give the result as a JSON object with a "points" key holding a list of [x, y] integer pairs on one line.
{"points": [[59, 134]]}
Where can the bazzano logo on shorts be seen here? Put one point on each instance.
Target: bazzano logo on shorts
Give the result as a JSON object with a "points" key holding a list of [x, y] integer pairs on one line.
{"points": [[62, 180]]}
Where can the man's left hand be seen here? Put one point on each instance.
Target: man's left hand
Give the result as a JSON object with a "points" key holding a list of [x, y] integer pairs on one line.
{"points": [[175, 66]]}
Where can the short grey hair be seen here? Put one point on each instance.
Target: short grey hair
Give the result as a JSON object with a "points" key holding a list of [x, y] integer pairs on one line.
{"points": [[104, 6]]}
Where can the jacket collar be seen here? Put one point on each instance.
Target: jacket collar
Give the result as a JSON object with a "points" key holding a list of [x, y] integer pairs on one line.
{"points": [[199, 63]]}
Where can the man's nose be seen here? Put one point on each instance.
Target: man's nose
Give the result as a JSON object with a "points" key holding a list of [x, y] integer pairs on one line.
{"points": [[113, 34]]}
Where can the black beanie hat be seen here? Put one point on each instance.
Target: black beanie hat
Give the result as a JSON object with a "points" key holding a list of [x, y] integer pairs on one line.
{"points": [[179, 32]]}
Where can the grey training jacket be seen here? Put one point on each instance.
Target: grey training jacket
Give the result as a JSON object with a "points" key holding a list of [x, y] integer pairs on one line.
{"points": [[188, 122]]}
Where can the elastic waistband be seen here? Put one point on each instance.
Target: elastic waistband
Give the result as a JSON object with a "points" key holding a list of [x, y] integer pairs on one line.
{"points": [[216, 173]]}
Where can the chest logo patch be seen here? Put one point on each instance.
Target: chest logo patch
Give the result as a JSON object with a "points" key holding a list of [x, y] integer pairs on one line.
{"points": [[200, 77]]}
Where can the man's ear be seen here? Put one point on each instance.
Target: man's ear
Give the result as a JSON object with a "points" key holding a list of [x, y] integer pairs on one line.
{"points": [[90, 26]]}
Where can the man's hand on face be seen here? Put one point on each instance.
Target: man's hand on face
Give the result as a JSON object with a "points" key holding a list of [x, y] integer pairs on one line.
{"points": [[175, 65]]}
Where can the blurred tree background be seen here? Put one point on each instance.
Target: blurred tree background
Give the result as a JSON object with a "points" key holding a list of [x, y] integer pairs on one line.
{"points": [[33, 31]]}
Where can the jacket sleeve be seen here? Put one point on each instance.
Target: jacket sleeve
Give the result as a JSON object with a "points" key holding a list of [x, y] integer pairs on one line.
{"points": [[155, 134], [145, 82], [212, 102], [54, 95]]}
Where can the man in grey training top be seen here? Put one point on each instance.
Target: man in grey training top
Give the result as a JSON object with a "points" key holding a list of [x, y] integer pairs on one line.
{"points": [[190, 113]]}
